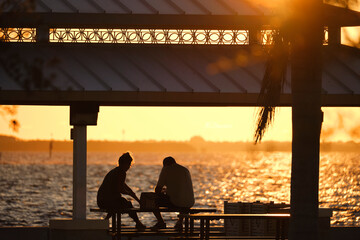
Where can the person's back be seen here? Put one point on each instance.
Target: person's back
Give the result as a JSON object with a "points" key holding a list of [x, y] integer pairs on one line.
{"points": [[109, 195], [179, 188], [109, 192], [175, 189]]}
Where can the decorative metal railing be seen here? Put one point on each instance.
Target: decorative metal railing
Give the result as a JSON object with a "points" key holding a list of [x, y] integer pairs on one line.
{"points": [[267, 36], [150, 36], [143, 36], [17, 34], [326, 36]]}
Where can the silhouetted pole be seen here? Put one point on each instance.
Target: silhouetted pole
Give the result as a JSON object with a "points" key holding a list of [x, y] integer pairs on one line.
{"points": [[306, 60], [51, 145]]}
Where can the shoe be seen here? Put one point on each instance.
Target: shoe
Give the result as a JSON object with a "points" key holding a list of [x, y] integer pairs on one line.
{"points": [[178, 227], [140, 227], [158, 226]]}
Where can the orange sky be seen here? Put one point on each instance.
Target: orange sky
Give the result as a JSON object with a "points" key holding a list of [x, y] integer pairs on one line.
{"points": [[176, 123]]}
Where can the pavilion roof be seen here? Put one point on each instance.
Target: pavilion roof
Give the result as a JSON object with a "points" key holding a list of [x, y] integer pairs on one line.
{"points": [[177, 75], [157, 70], [154, 13], [175, 7]]}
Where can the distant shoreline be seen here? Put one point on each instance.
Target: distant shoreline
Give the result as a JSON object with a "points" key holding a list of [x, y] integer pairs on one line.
{"points": [[195, 144]]}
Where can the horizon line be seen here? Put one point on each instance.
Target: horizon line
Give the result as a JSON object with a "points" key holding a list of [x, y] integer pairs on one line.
{"points": [[171, 140]]}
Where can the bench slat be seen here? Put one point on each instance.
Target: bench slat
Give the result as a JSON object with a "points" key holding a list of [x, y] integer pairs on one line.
{"points": [[224, 237], [237, 215], [161, 209]]}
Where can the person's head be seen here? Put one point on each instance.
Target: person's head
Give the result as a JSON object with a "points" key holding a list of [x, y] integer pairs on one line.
{"points": [[168, 161], [125, 161]]}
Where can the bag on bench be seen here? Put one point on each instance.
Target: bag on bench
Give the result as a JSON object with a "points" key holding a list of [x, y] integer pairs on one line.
{"points": [[148, 200]]}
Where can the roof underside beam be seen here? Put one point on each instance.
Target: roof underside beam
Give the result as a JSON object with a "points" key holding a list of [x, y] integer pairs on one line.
{"points": [[95, 20], [114, 98], [333, 16]]}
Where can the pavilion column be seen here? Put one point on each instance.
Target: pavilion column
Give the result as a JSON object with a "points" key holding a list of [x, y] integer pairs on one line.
{"points": [[79, 171], [306, 74], [81, 115]]}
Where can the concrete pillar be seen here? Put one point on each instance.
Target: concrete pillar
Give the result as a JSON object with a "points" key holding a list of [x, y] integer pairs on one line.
{"points": [[79, 171], [81, 115]]}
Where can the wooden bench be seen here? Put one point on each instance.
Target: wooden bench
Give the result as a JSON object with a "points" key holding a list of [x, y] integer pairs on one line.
{"points": [[223, 237], [116, 230], [205, 218]]}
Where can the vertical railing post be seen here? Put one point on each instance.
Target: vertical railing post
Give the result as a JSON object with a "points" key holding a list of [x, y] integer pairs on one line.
{"points": [[334, 35], [42, 34], [254, 36]]}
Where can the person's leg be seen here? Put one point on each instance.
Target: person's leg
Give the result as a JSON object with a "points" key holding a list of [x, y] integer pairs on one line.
{"points": [[179, 224], [160, 202], [158, 216], [127, 204], [160, 221]]}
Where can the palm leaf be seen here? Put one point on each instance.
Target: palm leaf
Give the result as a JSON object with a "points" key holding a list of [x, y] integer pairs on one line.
{"points": [[272, 84]]}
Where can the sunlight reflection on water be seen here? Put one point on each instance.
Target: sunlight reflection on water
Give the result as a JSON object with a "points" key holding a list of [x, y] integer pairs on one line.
{"points": [[34, 188]]}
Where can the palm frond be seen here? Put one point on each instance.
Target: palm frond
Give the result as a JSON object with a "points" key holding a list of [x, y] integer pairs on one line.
{"points": [[272, 85]]}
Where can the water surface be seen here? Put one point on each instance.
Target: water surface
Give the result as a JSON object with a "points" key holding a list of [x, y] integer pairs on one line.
{"points": [[35, 188]]}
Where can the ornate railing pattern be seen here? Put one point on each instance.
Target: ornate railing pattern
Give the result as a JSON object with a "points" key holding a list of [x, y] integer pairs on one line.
{"points": [[17, 34], [267, 36], [143, 36], [326, 36], [150, 36]]}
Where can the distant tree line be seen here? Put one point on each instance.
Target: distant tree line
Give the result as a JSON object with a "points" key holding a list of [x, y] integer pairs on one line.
{"points": [[9, 143]]}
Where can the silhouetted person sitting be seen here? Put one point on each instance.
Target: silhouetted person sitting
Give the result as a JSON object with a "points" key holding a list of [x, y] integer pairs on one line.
{"points": [[109, 194], [175, 190]]}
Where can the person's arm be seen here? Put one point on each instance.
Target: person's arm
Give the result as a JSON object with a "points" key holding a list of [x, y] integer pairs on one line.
{"points": [[130, 192], [125, 189], [161, 182], [158, 189], [122, 188]]}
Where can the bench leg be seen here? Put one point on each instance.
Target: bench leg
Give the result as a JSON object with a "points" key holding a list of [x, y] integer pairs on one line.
{"points": [[113, 225], [118, 226], [207, 229], [278, 229], [283, 231], [191, 225], [202, 229]]}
